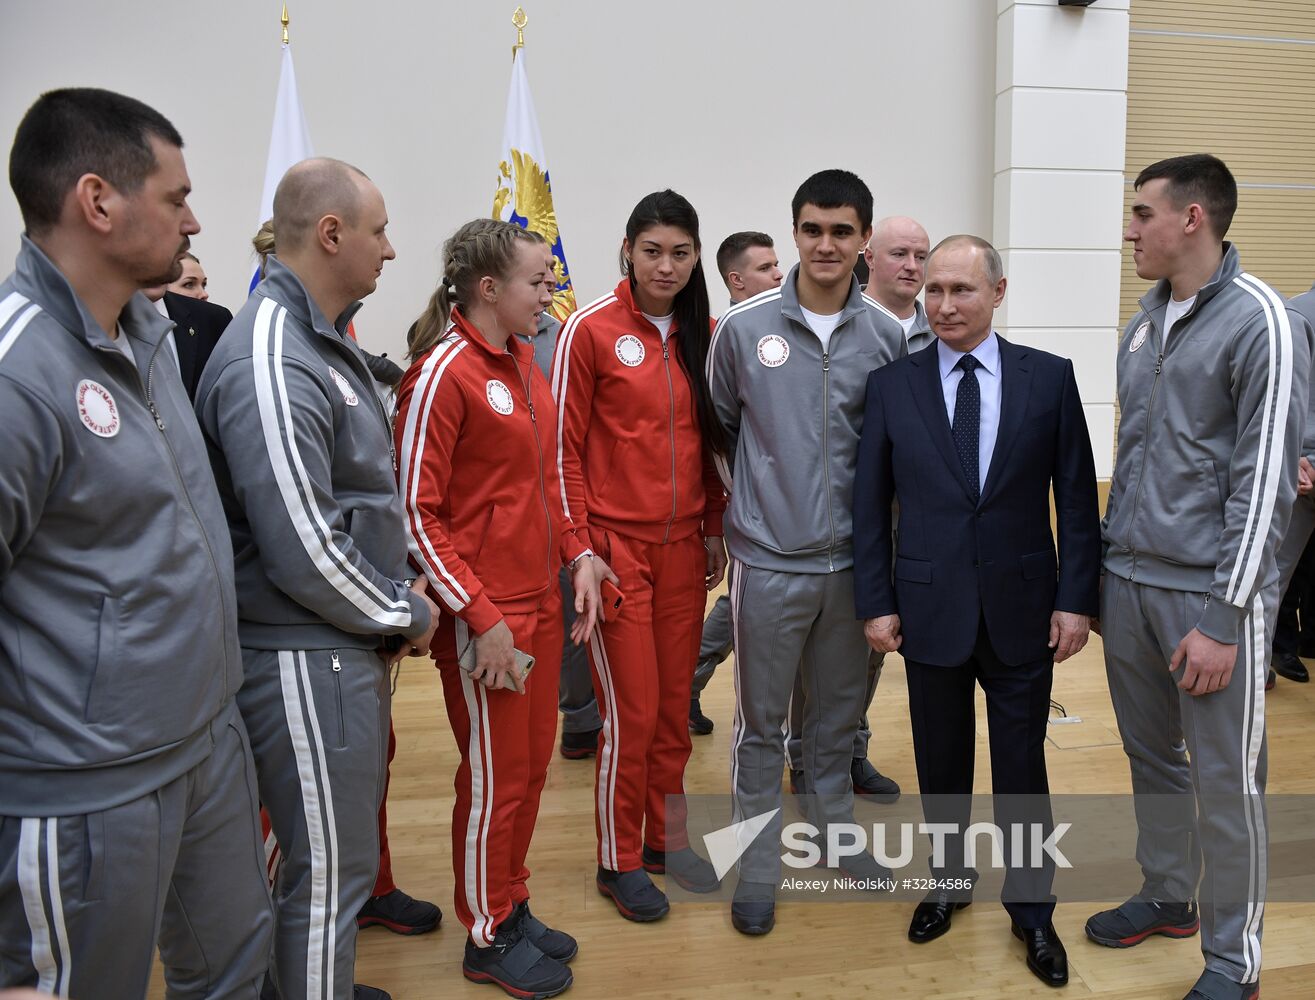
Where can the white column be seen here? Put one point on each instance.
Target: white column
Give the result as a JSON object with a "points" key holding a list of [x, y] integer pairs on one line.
{"points": [[1061, 84]]}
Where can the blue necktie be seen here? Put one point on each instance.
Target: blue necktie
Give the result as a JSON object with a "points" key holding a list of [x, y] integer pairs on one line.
{"points": [[967, 422]]}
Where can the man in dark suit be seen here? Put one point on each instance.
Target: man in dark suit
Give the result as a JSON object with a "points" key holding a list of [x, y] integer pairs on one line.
{"points": [[199, 325], [969, 435]]}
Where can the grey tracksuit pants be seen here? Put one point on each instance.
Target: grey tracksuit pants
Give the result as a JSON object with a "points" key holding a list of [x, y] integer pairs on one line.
{"points": [[83, 899], [1295, 539], [575, 687], [717, 643], [788, 624], [794, 743], [1179, 745], [319, 733]]}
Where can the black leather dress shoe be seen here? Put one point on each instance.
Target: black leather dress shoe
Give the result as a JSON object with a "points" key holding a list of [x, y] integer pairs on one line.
{"points": [[931, 917], [1046, 956], [1290, 666]]}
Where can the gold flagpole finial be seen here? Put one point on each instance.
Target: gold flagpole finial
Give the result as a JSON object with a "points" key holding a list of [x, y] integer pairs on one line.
{"points": [[519, 19], [284, 21]]}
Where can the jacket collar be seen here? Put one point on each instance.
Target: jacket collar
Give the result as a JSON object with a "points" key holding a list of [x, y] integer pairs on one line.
{"points": [[283, 286], [791, 309], [626, 296], [521, 352], [1155, 300], [37, 277]]}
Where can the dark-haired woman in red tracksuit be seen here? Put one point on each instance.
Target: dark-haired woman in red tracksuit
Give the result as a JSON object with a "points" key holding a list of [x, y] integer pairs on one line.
{"points": [[476, 443], [635, 455]]}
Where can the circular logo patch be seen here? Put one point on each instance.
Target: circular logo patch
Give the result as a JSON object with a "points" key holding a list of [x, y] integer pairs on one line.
{"points": [[1139, 337], [345, 387], [97, 409], [499, 397], [773, 351], [630, 351]]}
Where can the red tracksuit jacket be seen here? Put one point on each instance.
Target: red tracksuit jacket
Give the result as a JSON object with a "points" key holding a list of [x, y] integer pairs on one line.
{"points": [[626, 413], [476, 435]]}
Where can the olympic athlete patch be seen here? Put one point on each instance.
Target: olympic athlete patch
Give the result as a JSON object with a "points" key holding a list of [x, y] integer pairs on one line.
{"points": [[630, 351], [345, 387], [97, 409], [499, 397], [773, 351], [1139, 337]]}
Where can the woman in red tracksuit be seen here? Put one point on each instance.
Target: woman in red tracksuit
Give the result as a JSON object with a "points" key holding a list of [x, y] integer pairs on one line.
{"points": [[476, 444], [636, 441]]}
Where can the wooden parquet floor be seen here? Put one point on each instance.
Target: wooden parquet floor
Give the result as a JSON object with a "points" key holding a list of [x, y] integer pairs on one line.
{"points": [[819, 950]]}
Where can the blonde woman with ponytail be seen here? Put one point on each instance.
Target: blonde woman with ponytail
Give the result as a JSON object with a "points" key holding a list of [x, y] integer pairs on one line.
{"points": [[476, 445]]}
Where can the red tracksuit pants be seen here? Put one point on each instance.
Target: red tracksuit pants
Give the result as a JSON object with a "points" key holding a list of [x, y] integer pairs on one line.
{"points": [[506, 740], [643, 665]]}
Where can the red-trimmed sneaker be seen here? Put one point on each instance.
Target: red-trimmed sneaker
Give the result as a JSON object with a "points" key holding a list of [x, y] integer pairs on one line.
{"points": [[635, 895], [400, 913], [515, 963], [1138, 918]]}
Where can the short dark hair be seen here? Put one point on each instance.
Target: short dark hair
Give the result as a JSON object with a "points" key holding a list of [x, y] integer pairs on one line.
{"points": [[76, 131], [1199, 178], [733, 247], [835, 189]]}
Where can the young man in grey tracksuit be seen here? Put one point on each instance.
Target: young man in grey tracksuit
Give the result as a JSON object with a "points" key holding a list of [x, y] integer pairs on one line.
{"points": [[1212, 377], [302, 451], [127, 796], [788, 372]]}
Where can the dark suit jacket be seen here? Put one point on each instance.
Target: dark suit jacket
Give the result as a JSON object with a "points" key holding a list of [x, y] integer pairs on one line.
{"points": [[199, 325], [958, 562]]}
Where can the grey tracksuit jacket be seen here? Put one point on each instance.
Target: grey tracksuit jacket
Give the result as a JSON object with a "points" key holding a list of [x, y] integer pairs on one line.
{"points": [[921, 335], [303, 455], [792, 416], [1209, 435], [118, 622], [1305, 305]]}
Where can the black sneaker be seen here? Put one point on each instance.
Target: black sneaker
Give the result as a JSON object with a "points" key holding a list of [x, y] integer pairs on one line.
{"points": [[515, 963], [1271, 679], [1216, 986], [578, 746], [699, 724], [635, 895], [871, 783], [360, 992], [1138, 918], [753, 910], [557, 945], [691, 872], [400, 913]]}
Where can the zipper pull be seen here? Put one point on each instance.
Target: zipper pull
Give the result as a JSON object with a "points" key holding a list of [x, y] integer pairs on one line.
{"points": [[1159, 364], [337, 666], [826, 361], [666, 356], [159, 421], [532, 420]]}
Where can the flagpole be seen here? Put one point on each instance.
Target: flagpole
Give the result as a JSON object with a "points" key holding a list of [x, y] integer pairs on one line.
{"points": [[283, 20], [519, 19]]}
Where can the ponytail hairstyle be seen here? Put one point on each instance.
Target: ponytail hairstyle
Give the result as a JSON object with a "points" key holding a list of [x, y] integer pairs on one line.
{"points": [[691, 309], [481, 248], [263, 243]]}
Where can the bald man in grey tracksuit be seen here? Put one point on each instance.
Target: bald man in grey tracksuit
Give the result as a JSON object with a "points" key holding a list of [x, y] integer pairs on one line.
{"points": [[302, 451]]}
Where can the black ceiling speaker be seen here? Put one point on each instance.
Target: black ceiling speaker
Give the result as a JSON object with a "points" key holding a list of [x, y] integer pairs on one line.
{"points": [[1076, 3]]}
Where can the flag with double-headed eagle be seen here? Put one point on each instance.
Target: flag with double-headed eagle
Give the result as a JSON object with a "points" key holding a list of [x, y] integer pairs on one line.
{"points": [[524, 192]]}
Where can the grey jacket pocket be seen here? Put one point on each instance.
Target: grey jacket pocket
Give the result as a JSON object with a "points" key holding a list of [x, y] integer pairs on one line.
{"points": [[103, 693]]}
